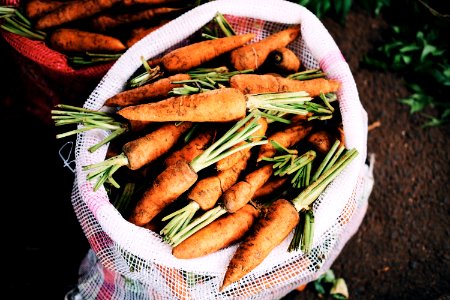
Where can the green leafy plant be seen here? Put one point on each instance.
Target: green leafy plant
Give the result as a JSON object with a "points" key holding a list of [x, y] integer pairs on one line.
{"points": [[327, 285]]}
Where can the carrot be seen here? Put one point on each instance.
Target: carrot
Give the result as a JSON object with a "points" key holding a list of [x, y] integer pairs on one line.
{"points": [[252, 56], [138, 153], [228, 229], [192, 149], [270, 187], [255, 84], [232, 159], [320, 140], [36, 8], [150, 92], [284, 59], [185, 58], [155, 198], [201, 107], [286, 137], [74, 40], [73, 10], [147, 2], [109, 21], [267, 233], [139, 33], [243, 191]]}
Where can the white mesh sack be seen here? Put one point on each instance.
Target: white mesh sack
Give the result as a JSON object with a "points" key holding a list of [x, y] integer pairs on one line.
{"points": [[131, 262]]}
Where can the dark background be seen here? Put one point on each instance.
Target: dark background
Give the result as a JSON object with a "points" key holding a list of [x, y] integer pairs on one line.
{"points": [[401, 250]]}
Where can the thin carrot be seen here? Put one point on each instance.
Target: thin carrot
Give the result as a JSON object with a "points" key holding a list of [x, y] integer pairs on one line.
{"points": [[185, 58], [284, 59], [193, 148], [36, 8], [253, 55], [139, 33], [75, 40], [286, 137], [267, 233], [150, 92], [138, 153], [231, 160], [228, 229], [73, 10], [155, 199], [107, 22], [147, 2], [255, 84]]}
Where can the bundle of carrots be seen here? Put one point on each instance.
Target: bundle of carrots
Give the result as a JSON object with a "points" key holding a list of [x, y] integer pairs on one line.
{"points": [[226, 149]]}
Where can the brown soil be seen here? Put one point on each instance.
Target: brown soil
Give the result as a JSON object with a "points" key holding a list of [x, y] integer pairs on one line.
{"points": [[401, 250]]}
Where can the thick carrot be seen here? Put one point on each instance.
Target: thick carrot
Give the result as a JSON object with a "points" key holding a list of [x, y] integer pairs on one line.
{"points": [[270, 187], [36, 8], [139, 33], [253, 55], [228, 229], [73, 10], [146, 149], [221, 105], [287, 138], [147, 2], [193, 148], [150, 92], [284, 59], [255, 84], [321, 141], [267, 233], [243, 191], [74, 40], [232, 159], [196, 54], [171, 183], [108, 21]]}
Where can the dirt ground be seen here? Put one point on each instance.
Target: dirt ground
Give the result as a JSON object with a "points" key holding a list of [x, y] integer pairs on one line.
{"points": [[401, 250]]}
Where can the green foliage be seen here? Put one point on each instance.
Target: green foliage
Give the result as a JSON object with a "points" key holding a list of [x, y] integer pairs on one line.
{"points": [[328, 285], [337, 9]]}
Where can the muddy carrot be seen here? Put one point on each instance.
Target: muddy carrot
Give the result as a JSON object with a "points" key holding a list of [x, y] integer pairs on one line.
{"points": [[150, 92], [255, 84], [107, 22], [74, 40], [321, 141], [193, 55], [270, 187], [139, 33], [138, 153], [284, 59], [230, 160], [155, 199], [36, 8], [73, 10], [228, 230], [253, 55]]}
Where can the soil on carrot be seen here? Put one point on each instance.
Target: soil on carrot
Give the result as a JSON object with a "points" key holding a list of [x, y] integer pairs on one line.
{"points": [[400, 251]]}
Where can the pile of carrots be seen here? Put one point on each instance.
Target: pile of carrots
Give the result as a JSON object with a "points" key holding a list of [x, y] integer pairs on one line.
{"points": [[230, 140]]}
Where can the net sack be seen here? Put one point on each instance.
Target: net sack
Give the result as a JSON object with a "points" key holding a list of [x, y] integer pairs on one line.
{"points": [[131, 262]]}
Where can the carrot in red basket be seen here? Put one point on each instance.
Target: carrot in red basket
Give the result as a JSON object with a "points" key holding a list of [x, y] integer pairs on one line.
{"points": [[255, 84], [139, 33], [36, 8], [75, 40], [253, 55], [138, 153], [73, 10], [150, 92]]}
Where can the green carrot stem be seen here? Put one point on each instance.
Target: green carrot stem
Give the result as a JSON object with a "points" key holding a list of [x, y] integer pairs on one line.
{"points": [[122, 201], [179, 219], [325, 161], [308, 232], [335, 157], [294, 245], [224, 25], [308, 74], [109, 138], [308, 195]]}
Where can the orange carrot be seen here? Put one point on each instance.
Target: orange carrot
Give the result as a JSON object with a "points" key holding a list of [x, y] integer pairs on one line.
{"points": [[287, 138], [201, 107], [228, 229], [139, 33], [255, 84], [192, 149], [321, 141], [73, 10], [147, 93], [171, 183], [267, 233], [270, 187], [196, 54], [109, 21], [252, 56], [147, 2], [74, 40], [243, 191], [284, 59], [232, 159], [36, 8]]}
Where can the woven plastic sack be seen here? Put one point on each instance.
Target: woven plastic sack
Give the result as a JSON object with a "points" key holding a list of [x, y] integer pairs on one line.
{"points": [[131, 262], [46, 74]]}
